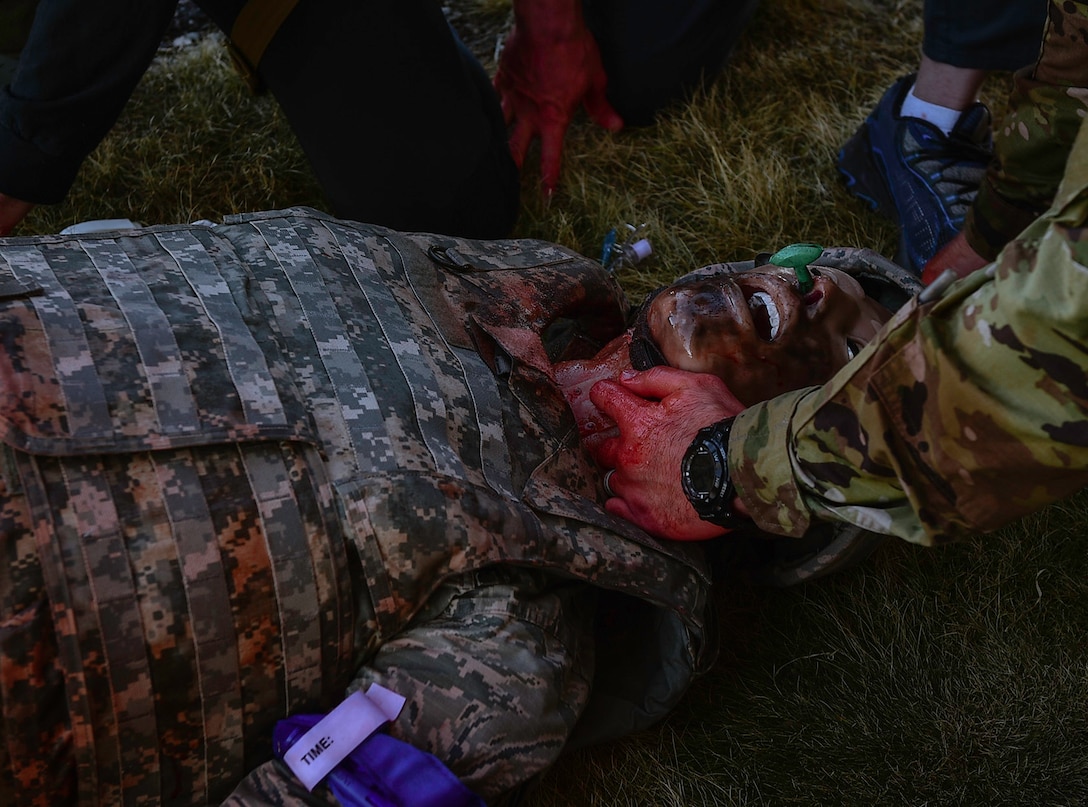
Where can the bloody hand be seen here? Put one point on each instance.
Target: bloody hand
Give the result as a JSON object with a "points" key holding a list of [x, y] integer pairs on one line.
{"points": [[956, 255], [12, 211], [658, 413], [549, 65]]}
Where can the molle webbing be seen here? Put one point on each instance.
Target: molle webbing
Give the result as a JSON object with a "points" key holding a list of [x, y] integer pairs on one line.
{"points": [[187, 536], [251, 32], [332, 388]]}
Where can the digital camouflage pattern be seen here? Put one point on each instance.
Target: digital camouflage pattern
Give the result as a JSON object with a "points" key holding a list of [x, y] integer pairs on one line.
{"points": [[1047, 103], [964, 414], [506, 657], [247, 467]]}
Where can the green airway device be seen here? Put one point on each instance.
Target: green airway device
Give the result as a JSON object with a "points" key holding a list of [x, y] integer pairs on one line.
{"points": [[797, 257]]}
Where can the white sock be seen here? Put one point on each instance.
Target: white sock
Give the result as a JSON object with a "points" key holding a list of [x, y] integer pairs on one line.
{"points": [[944, 118]]}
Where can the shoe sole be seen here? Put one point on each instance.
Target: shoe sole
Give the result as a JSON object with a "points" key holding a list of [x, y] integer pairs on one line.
{"points": [[863, 175], [864, 179]]}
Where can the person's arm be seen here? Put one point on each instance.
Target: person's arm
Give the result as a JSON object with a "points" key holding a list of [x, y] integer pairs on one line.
{"points": [[77, 70], [550, 65], [963, 415]]}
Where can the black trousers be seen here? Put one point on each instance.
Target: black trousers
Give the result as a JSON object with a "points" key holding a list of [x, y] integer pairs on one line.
{"points": [[982, 34], [656, 51], [398, 120], [402, 126]]}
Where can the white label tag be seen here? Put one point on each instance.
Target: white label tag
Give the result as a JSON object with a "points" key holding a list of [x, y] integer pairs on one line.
{"points": [[340, 732]]}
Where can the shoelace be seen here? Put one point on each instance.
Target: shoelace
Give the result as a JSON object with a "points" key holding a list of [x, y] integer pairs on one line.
{"points": [[954, 166]]}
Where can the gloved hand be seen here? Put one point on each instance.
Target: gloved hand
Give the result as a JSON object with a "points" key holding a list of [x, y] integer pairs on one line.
{"points": [[549, 65], [12, 211], [957, 255]]}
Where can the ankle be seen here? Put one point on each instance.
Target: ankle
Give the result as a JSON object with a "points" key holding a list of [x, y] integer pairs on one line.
{"points": [[943, 117]]}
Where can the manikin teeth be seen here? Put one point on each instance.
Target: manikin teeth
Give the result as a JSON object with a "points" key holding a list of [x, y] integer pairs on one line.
{"points": [[763, 300]]}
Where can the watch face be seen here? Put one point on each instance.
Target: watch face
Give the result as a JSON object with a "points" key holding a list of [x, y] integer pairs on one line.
{"points": [[702, 472], [704, 475]]}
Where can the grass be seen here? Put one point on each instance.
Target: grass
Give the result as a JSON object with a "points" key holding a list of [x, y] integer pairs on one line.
{"points": [[926, 677]]}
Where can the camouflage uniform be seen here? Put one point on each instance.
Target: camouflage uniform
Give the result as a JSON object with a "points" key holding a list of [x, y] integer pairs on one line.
{"points": [[1045, 108], [965, 413], [247, 468]]}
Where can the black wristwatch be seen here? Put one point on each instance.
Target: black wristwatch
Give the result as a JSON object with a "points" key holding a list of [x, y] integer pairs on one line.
{"points": [[704, 475]]}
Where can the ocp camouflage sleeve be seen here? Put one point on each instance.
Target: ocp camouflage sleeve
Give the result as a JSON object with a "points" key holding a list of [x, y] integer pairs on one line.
{"points": [[1045, 108], [965, 414]]}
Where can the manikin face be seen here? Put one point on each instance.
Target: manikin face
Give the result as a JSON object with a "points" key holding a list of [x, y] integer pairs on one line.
{"points": [[758, 333]]}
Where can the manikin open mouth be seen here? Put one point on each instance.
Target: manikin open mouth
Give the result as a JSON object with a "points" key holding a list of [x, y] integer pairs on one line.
{"points": [[765, 315]]}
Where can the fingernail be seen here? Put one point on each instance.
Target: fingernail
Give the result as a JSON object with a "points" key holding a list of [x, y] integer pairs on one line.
{"points": [[628, 374]]}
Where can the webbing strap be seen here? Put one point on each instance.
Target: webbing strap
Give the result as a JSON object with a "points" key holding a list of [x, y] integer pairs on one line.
{"points": [[88, 415], [251, 32]]}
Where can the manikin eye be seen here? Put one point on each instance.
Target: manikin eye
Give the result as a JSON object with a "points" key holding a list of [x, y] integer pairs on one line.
{"points": [[853, 348]]}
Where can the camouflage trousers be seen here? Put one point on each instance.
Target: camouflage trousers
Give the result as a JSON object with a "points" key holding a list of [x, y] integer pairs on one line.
{"points": [[496, 671], [1045, 108], [496, 668]]}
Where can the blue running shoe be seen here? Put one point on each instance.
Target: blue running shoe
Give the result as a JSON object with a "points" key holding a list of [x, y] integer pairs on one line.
{"points": [[909, 171]]}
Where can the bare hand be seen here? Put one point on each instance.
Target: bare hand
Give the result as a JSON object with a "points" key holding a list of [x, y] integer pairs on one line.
{"points": [[549, 65], [12, 211], [658, 413], [956, 255]]}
